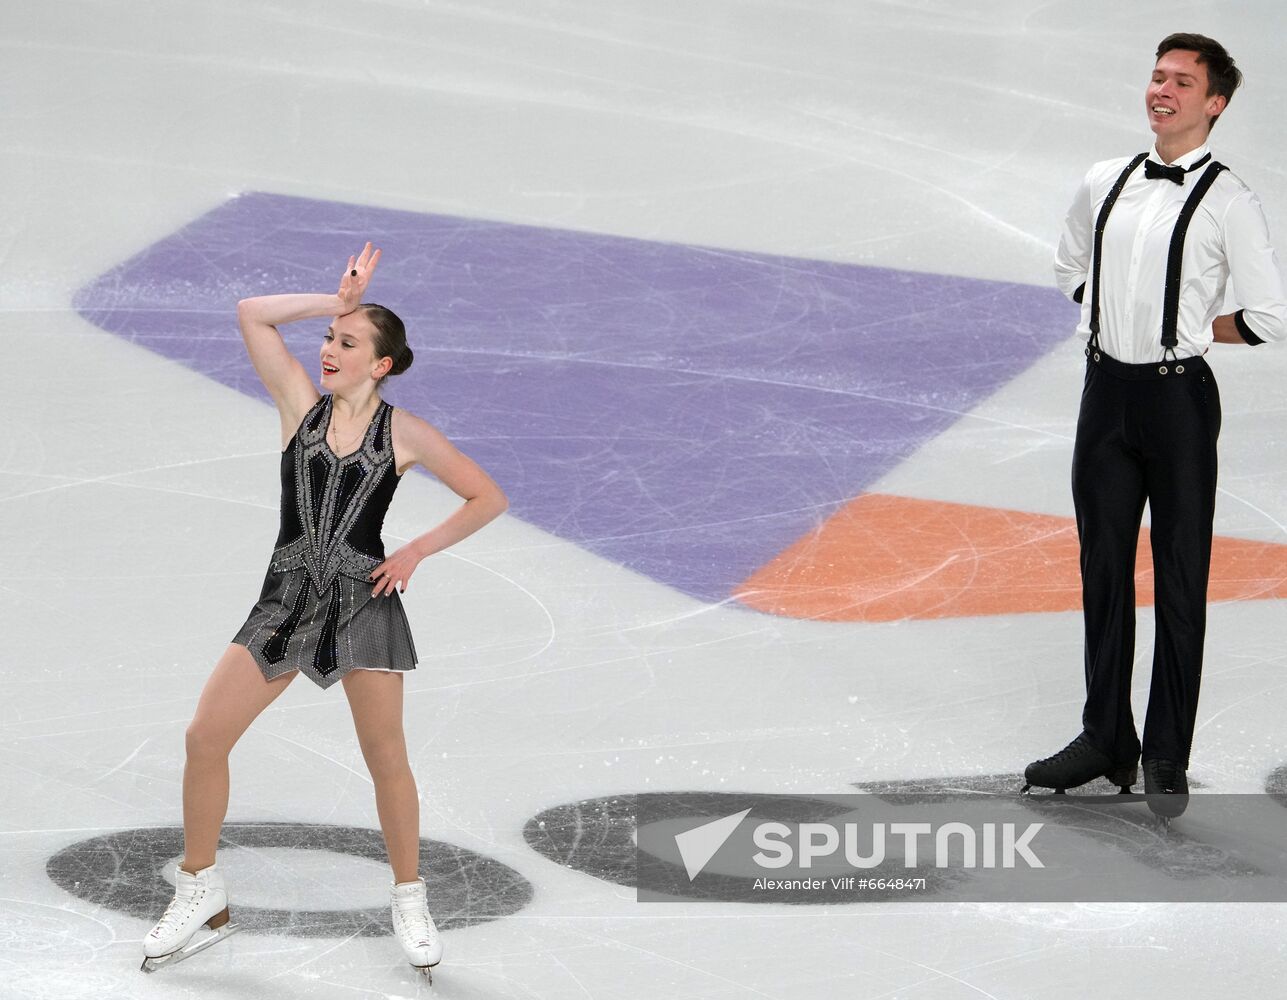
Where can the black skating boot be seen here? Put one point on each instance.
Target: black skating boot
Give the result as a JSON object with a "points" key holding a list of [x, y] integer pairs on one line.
{"points": [[1076, 764], [1166, 787]]}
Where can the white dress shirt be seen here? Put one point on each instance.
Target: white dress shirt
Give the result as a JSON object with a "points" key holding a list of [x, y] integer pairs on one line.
{"points": [[1228, 239]]}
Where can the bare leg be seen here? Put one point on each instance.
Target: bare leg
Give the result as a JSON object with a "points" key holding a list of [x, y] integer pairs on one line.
{"points": [[234, 695], [375, 699]]}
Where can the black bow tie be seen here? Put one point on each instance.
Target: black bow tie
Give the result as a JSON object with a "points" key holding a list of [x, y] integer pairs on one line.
{"points": [[1154, 171]]}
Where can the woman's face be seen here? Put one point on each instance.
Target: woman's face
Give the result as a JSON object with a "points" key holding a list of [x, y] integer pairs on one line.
{"points": [[348, 353]]}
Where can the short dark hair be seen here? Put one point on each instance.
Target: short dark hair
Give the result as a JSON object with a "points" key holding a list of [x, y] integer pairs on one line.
{"points": [[1223, 76], [390, 340]]}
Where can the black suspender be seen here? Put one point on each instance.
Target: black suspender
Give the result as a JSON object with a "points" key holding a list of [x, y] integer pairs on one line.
{"points": [[1097, 251], [1174, 259]]}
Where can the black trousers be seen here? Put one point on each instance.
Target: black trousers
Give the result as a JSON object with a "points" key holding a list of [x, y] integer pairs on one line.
{"points": [[1142, 435]]}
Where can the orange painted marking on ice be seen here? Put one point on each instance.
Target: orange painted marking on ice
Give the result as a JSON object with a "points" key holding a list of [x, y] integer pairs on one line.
{"points": [[886, 558]]}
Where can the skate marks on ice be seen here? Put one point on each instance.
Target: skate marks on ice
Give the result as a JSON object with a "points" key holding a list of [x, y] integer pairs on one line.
{"points": [[684, 411], [597, 837], [984, 784], [123, 871], [931, 788], [1094, 810], [1276, 785]]}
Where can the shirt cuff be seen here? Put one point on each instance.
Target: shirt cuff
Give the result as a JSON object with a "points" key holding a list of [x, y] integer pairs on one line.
{"points": [[1080, 294], [1244, 331]]}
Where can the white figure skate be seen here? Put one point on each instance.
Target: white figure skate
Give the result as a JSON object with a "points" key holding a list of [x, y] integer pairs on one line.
{"points": [[414, 927], [199, 900]]}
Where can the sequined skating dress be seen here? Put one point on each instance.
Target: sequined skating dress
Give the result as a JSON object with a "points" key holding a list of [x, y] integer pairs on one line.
{"points": [[316, 613]]}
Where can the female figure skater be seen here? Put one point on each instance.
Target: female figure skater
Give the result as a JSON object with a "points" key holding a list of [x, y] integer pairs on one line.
{"points": [[329, 606]]}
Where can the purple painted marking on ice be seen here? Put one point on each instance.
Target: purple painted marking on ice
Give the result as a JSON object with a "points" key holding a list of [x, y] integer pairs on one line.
{"points": [[684, 411]]}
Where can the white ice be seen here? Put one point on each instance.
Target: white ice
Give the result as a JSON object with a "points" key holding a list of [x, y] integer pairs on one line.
{"points": [[139, 497]]}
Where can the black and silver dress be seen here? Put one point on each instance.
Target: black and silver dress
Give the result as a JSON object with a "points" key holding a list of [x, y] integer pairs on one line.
{"points": [[316, 613]]}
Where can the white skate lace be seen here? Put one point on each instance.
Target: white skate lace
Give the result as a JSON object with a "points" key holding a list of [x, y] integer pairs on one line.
{"points": [[414, 916], [180, 906]]}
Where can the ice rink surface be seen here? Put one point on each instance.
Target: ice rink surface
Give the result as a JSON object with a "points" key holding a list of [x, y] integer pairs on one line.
{"points": [[748, 307]]}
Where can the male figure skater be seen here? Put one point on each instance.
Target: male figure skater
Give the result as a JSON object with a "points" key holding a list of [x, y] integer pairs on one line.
{"points": [[1147, 249]]}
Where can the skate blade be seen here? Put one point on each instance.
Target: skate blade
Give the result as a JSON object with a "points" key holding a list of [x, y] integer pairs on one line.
{"points": [[150, 965], [426, 971]]}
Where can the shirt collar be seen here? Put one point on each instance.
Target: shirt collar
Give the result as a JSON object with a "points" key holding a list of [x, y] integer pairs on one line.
{"points": [[1185, 161]]}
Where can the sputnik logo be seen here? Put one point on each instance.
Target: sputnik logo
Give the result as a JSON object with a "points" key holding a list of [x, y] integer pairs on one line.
{"points": [[698, 845]]}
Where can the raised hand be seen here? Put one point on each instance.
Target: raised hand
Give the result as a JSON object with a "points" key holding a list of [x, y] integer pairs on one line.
{"points": [[356, 277]]}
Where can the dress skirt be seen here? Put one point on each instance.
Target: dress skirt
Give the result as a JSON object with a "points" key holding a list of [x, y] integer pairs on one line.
{"points": [[325, 635]]}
